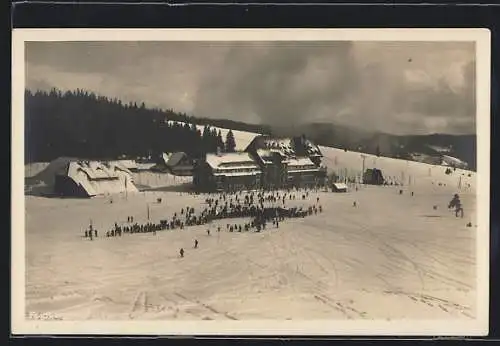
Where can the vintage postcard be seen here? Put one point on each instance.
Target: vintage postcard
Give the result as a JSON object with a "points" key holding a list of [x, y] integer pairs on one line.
{"points": [[251, 182]]}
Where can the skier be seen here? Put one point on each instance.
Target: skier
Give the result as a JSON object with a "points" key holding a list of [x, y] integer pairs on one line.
{"points": [[181, 252], [195, 243], [354, 204], [208, 232], [455, 202]]}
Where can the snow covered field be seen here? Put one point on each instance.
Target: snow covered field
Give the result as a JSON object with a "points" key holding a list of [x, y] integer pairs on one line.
{"points": [[391, 257]]}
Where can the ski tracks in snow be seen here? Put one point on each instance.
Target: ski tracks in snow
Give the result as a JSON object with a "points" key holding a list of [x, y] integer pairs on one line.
{"points": [[206, 306]]}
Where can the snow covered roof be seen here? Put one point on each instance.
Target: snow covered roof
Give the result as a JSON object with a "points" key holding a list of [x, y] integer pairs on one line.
{"points": [[145, 166], [300, 161], [282, 146], [98, 178], [165, 157], [312, 149], [237, 174], [440, 149], [128, 164], [96, 170], [266, 155], [340, 186], [453, 161], [309, 170], [175, 158], [238, 160]]}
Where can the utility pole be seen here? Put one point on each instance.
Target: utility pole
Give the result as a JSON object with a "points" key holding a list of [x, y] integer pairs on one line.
{"points": [[363, 157]]}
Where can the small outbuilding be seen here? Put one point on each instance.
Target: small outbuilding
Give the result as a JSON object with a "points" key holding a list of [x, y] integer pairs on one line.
{"points": [[373, 176], [180, 164], [339, 187]]}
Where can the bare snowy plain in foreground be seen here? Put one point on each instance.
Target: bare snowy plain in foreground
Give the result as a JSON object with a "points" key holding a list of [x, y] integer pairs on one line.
{"points": [[391, 257]]}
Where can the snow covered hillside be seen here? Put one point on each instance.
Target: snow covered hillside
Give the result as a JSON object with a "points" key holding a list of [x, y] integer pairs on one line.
{"points": [[242, 138], [410, 173]]}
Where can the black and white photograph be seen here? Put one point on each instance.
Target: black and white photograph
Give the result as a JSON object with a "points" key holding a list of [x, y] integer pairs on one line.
{"points": [[251, 181]]}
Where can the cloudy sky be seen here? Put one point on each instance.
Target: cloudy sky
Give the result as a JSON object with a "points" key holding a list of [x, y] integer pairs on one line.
{"points": [[394, 87]]}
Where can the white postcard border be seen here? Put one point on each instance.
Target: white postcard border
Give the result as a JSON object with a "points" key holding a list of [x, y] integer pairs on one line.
{"points": [[477, 327]]}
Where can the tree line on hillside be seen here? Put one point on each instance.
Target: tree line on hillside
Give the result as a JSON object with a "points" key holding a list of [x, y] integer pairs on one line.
{"points": [[82, 124]]}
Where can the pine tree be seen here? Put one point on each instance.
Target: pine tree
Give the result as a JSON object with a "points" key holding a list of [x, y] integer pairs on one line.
{"points": [[220, 141], [230, 142], [213, 140]]}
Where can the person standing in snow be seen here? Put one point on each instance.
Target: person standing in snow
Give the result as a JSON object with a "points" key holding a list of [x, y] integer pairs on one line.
{"points": [[196, 243], [181, 252], [457, 204]]}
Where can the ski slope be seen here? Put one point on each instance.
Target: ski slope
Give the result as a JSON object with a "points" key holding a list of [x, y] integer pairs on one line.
{"points": [[242, 138], [409, 173], [393, 256]]}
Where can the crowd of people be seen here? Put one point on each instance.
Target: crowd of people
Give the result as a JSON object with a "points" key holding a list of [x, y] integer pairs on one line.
{"points": [[261, 207]]}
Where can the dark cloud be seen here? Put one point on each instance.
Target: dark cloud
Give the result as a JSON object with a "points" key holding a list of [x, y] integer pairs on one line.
{"points": [[280, 83], [396, 87]]}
